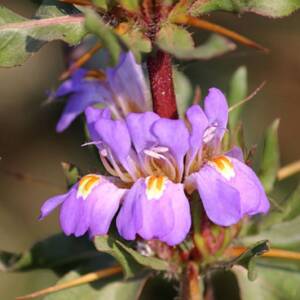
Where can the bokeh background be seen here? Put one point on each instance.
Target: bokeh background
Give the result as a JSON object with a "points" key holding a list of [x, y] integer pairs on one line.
{"points": [[30, 146]]}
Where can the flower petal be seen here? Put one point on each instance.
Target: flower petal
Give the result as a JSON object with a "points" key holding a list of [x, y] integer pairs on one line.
{"points": [[198, 122], [93, 115], [51, 204], [128, 82], [182, 215], [91, 92], [104, 202], [139, 125], [253, 197], [174, 135], [114, 133], [221, 201], [71, 85], [216, 110], [155, 216], [236, 152], [71, 212]]}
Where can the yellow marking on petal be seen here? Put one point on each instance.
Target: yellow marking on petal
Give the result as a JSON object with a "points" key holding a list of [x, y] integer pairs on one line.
{"points": [[155, 186], [86, 185], [223, 165]]}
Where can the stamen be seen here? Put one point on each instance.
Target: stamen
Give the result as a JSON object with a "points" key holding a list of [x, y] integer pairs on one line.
{"points": [[210, 133], [158, 163], [91, 143], [87, 184], [154, 154], [160, 149], [116, 169], [155, 186], [223, 165], [108, 167]]}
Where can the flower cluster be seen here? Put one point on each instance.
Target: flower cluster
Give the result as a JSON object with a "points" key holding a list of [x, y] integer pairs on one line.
{"points": [[123, 90], [154, 164]]}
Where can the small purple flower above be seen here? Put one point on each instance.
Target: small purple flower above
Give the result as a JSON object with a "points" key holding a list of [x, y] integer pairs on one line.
{"points": [[124, 90]]}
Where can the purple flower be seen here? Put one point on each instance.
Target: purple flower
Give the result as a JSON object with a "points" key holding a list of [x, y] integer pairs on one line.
{"points": [[228, 188], [160, 162], [141, 151], [89, 206], [124, 90], [155, 208]]}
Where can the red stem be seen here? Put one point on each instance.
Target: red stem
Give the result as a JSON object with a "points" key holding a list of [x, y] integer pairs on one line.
{"points": [[161, 83]]}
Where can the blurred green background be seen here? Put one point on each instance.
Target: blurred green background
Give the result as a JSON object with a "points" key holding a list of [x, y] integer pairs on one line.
{"points": [[29, 144]]}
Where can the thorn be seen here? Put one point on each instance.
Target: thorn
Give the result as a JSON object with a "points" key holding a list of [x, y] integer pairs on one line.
{"points": [[233, 107], [80, 62], [206, 25], [121, 29]]}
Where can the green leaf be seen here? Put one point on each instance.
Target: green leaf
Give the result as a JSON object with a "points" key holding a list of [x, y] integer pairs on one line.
{"points": [[107, 289], [292, 205], [285, 235], [248, 258], [72, 173], [237, 92], [137, 42], [102, 4], [183, 91], [269, 8], [109, 245], [178, 41], [131, 261], [130, 5], [21, 37], [57, 252], [54, 8], [271, 284], [146, 261], [94, 24], [286, 210], [269, 163]]}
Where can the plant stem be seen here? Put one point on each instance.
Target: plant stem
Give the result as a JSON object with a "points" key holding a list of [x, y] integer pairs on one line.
{"points": [[161, 83], [87, 278], [190, 283], [289, 170], [273, 253]]}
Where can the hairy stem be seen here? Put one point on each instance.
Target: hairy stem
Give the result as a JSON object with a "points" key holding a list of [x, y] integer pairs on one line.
{"points": [[161, 83], [190, 283]]}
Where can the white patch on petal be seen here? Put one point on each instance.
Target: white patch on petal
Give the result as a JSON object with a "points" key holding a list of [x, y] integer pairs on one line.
{"points": [[224, 166], [155, 186], [209, 133], [87, 184]]}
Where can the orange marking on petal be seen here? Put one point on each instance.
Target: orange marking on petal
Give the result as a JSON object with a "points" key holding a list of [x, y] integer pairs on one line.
{"points": [[155, 186], [151, 182], [86, 185], [223, 165], [159, 182]]}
